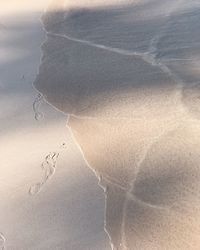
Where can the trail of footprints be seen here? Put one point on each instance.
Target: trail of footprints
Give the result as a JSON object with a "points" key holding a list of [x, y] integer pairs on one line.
{"points": [[49, 167], [36, 106], [50, 161]]}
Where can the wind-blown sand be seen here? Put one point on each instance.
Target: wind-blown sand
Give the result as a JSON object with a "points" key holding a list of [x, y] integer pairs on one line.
{"points": [[128, 76]]}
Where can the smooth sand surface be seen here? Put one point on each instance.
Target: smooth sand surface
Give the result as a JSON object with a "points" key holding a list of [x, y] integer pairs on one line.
{"points": [[67, 212], [128, 75]]}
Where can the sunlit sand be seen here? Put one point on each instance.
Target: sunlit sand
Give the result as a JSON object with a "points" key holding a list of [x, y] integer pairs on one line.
{"points": [[117, 104]]}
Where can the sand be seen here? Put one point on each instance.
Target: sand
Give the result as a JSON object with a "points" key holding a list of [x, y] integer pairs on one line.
{"points": [[126, 75], [120, 83], [67, 212]]}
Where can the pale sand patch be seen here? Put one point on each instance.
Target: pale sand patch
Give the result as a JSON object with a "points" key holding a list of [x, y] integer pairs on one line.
{"points": [[69, 209]]}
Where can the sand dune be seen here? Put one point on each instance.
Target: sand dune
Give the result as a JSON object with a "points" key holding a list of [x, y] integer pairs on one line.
{"points": [[125, 74]]}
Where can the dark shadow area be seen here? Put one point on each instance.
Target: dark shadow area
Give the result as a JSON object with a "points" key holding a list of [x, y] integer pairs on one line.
{"points": [[129, 26], [84, 80]]}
